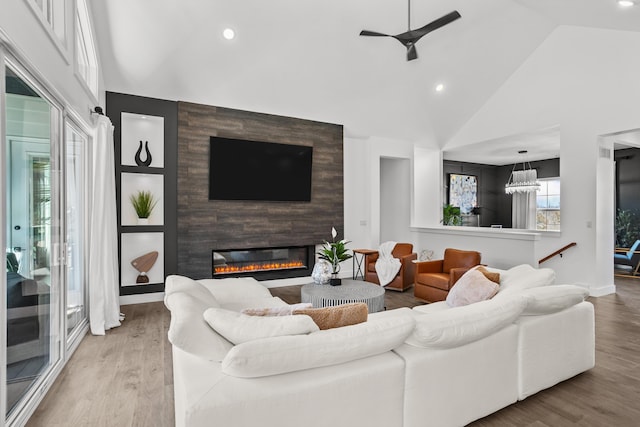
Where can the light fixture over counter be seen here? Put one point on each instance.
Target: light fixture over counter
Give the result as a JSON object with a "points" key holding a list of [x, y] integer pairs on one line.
{"points": [[522, 181]]}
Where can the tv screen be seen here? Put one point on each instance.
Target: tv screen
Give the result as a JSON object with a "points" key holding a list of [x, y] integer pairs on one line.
{"points": [[252, 170]]}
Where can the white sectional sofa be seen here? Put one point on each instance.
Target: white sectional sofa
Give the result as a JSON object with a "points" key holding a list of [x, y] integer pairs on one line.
{"points": [[428, 366]]}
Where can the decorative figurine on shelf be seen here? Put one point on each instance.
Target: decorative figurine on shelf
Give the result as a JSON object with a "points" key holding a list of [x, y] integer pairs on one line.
{"points": [[143, 203], [335, 253], [139, 161], [143, 264]]}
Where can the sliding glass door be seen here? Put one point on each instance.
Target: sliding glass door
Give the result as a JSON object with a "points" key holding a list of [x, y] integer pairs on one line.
{"points": [[32, 237], [75, 179]]}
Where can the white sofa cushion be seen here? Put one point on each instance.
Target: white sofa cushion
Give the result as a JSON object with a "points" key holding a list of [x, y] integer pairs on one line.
{"points": [[472, 287], [235, 289], [239, 328], [175, 283], [272, 356], [524, 277], [461, 325], [549, 299], [189, 331], [286, 310], [432, 307], [554, 347], [248, 303]]}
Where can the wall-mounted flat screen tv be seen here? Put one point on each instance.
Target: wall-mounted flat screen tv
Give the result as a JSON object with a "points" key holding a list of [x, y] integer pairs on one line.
{"points": [[252, 170]]}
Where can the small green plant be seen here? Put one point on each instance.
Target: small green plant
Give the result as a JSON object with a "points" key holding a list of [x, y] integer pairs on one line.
{"points": [[143, 202], [451, 215], [334, 252]]}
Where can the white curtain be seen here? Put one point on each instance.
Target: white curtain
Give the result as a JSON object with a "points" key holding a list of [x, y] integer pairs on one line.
{"points": [[104, 304], [523, 210]]}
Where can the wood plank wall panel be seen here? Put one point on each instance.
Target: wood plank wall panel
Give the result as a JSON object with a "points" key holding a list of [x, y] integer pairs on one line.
{"points": [[205, 224]]}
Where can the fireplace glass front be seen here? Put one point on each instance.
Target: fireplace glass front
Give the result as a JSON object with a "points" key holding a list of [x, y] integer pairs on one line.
{"points": [[282, 262]]}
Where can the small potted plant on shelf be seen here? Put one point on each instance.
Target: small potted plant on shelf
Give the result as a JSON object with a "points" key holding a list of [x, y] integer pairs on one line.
{"points": [[451, 215], [335, 253], [143, 203]]}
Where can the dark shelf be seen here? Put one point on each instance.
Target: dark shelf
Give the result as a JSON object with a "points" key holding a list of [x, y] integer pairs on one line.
{"points": [[141, 228], [141, 169]]}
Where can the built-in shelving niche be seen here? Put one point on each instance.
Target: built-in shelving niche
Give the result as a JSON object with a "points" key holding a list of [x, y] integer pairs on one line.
{"points": [[145, 127]]}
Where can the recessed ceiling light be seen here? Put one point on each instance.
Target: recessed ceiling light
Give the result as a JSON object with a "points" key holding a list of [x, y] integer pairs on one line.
{"points": [[439, 87], [228, 33], [626, 3]]}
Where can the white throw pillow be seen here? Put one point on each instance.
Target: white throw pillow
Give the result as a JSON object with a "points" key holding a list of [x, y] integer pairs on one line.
{"points": [[550, 299], [462, 325], [278, 355], [175, 283], [188, 330], [239, 328], [285, 310], [472, 287], [525, 277]]}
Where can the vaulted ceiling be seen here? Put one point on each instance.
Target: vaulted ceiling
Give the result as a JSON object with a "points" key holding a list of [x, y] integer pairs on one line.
{"points": [[306, 59]]}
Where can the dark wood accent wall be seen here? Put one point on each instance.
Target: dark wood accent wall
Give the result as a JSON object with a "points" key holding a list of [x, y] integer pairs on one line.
{"points": [[205, 224]]}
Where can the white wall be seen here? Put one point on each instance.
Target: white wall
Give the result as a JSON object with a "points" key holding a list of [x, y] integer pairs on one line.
{"points": [[395, 199], [428, 188], [498, 248], [584, 80], [22, 31], [362, 186]]}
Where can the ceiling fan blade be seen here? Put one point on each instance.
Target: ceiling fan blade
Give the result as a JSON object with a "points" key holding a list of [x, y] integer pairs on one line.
{"points": [[372, 33], [412, 53], [415, 35], [440, 22]]}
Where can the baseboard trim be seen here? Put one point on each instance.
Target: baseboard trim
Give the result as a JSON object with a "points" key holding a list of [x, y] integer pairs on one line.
{"points": [[602, 291], [141, 298]]}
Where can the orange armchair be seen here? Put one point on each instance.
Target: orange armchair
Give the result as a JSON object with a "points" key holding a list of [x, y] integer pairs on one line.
{"points": [[434, 279], [404, 278]]}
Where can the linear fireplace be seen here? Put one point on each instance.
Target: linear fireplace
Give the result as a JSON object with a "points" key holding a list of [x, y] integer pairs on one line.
{"points": [[263, 263]]}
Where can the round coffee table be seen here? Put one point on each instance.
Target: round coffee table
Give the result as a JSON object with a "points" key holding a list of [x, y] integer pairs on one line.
{"points": [[350, 291]]}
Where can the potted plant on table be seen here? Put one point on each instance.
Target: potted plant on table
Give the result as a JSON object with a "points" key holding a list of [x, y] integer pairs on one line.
{"points": [[143, 203], [334, 252]]}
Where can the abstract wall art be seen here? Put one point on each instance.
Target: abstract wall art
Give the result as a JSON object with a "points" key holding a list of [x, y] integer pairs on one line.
{"points": [[463, 192]]}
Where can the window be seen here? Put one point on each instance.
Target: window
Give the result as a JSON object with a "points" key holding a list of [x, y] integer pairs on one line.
{"points": [[548, 205], [75, 178], [51, 14], [86, 58]]}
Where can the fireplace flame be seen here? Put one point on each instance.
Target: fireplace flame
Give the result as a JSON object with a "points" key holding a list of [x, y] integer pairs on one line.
{"points": [[227, 269]]}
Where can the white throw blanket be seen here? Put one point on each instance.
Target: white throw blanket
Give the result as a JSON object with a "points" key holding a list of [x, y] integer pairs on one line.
{"points": [[387, 266]]}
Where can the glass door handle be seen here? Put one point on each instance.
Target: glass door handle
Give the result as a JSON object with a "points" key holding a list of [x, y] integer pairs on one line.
{"points": [[57, 256]]}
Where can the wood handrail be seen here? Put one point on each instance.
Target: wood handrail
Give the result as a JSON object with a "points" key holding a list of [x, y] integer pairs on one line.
{"points": [[558, 252]]}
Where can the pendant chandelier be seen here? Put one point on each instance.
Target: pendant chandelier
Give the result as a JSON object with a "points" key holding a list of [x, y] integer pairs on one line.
{"points": [[522, 181]]}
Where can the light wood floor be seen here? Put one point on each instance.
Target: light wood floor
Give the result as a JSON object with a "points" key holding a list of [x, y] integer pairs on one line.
{"points": [[125, 377]]}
